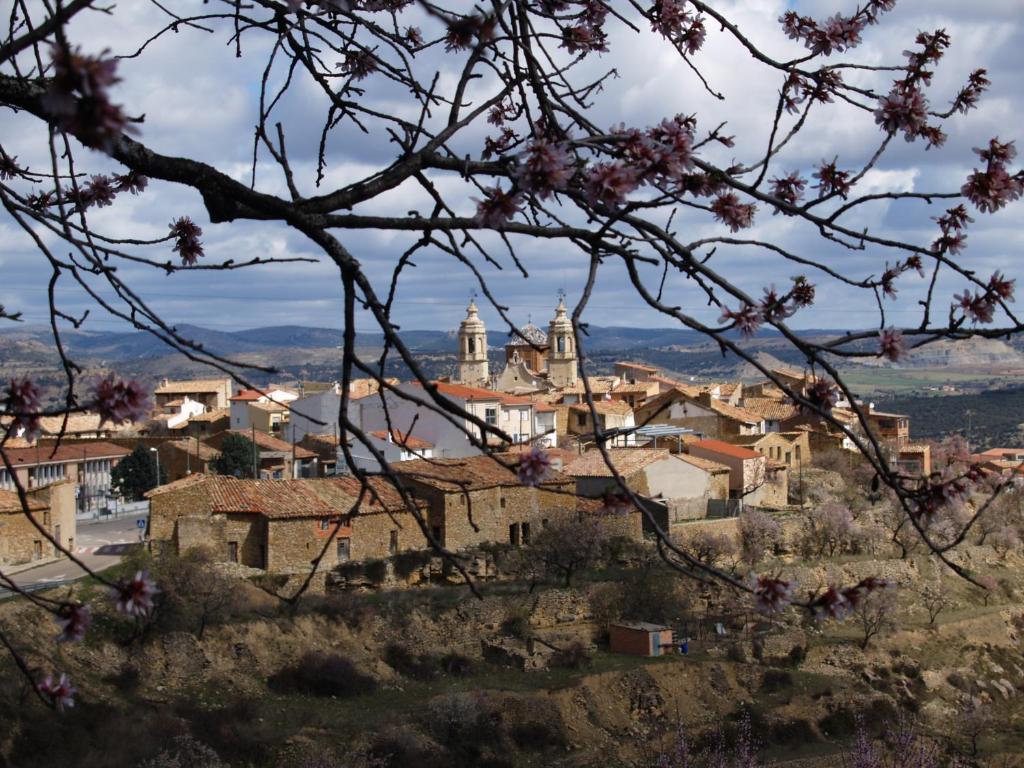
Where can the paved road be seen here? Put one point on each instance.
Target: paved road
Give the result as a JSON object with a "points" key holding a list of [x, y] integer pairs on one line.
{"points": [[99, 545]]}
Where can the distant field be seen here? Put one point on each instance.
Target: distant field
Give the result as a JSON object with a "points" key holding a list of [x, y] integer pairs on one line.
{"points": [[865, 381]]}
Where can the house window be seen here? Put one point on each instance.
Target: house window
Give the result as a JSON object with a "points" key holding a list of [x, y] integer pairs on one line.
{"points": [[472, 345], [46, 518], [526, 533], [513, 534], [325, 524], [544, 523], [798, 453], [393, 543], [581, 419], [344, 550], [561, 343], [789, 457], [502, 502], [491, 416], [37, 549], [232, 551]]}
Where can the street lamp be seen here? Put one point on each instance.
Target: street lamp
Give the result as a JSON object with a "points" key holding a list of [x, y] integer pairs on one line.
{"points": [[157, 454]]}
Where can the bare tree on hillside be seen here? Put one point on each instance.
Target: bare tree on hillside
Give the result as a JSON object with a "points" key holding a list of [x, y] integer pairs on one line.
{"points": [[491, 115]]}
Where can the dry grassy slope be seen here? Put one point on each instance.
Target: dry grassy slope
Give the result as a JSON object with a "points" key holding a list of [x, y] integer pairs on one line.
{"points": [[610, 713]]}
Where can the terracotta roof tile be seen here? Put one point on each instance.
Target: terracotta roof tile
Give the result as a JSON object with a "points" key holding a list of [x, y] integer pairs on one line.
{"points": [[469, 473], [619, 407], [701, 463], [276, 499], [626, 461], [65, 453], [194, 385], [11, 504], [727, 449], [770, 408]]}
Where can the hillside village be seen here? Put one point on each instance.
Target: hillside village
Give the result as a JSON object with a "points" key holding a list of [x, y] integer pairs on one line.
{"points": [[690, 452], [249, 495]]}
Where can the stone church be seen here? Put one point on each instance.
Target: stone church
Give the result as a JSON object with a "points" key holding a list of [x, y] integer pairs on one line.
{"points": [[535, 361]]}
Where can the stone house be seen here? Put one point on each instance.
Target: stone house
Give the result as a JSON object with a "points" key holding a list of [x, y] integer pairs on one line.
{"points": [[790, 448], [210, 393], [635, 373], [281, 525], [477, 500], [774, 491], [747, 468], [53, 507], [86, 464], [277, 459], [180, 458], [263, 411], [679, 485], [611, 415], [703, 413]]}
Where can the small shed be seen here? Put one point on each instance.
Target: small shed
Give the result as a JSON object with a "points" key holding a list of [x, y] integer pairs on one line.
{"points": [[640, 638]]}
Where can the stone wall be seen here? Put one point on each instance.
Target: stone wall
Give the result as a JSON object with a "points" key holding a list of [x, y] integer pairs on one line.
{"points": [[20, 542], [465, 520]]}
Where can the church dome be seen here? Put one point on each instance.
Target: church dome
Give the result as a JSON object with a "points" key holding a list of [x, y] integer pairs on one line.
{"points": [[531, 333]]}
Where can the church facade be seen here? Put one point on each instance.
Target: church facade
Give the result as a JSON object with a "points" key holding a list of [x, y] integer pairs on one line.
{"points": [[535, 361]]}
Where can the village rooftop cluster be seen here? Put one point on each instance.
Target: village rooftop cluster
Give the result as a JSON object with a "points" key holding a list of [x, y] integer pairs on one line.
{"points": [[689, 452]]}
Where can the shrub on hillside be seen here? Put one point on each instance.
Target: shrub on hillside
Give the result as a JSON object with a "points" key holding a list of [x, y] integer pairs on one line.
{"points": [[322, 674], [759, 535]]}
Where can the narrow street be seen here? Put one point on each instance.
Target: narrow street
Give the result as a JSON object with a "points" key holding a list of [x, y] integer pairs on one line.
{"points": [[99, 545]]}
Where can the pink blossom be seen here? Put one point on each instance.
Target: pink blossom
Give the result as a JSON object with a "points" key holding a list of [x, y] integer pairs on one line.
{"points": [[616, 502], [903, 109], [830, 604], [466, 32], [584, 39], [414, 36], [545, 168], [730, 211], [74, 621], [187, 234], [22, 404], [772, 595], [608, 184], [774, 308], [78, 99], [890, 345], [60, 693], [822, 395], [980, 308], [832, 181], [8, 167], [802, 292], [134, 597], [99, 191], [1001, 287], [360, 64], [497, 207], [120, 401], [533, 467], [746, 319], [789, 189], [132, 182], [968, 97], [992, 189]]}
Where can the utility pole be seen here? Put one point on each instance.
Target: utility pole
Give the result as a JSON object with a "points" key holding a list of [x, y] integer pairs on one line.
{"points": [[255, 466]]}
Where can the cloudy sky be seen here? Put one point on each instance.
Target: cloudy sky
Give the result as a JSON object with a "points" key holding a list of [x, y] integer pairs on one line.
{"points": [[199, 100]]}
